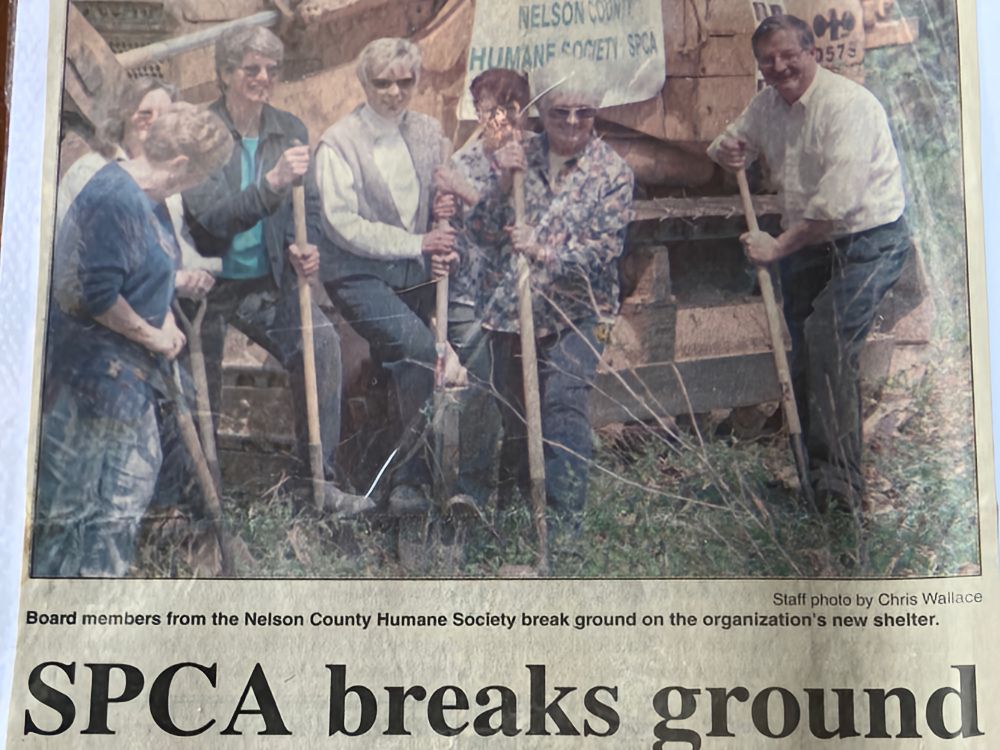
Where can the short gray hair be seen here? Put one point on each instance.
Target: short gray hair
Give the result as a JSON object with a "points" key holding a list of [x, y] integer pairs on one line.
{"points": [[379, 53], [187, 130], [231, 47], [568, 78]]}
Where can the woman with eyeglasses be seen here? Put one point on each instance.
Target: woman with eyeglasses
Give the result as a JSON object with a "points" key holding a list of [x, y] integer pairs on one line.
{"points": [[374, 172], [243, 214], [578, 203]]}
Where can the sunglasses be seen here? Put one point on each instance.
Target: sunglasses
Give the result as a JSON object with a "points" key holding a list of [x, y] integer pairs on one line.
{"points": [[252, 71], [387, 83], [564, 113]]}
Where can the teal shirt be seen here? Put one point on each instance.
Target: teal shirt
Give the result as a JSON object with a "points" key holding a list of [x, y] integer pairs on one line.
{"points": [[247, 257]]}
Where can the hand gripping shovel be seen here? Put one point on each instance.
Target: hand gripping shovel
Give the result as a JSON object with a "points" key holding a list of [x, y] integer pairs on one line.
{"points": [[326, 496], [778, 349], [309, 356]]}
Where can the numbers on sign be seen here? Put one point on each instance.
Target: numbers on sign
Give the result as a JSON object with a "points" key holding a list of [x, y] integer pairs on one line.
{"points": [[837, 52]]}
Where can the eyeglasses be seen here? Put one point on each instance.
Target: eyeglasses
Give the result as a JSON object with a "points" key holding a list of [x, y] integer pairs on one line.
{"points": [[383, 84], [252, 71], [564, 113]]}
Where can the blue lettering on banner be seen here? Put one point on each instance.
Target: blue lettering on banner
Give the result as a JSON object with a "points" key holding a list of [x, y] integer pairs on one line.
{"points": [[642, 44], [550, 15], [608, 11], [598, 50], [521, 57]]}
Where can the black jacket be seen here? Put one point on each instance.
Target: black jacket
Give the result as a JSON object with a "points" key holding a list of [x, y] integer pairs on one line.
{"points": [[217, 209]]}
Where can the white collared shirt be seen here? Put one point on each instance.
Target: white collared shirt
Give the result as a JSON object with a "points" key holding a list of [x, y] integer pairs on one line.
{"points": [[340, 201], [830, 154]]}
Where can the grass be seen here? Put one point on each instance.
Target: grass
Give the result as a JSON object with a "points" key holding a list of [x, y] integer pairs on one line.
{"points": [[668, 502]]}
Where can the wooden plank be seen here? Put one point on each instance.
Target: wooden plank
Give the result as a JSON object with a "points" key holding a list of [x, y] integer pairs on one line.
{"points": [[203, 37], [325, 11], [716, 383], [722, 206], [260, 415], [698, 109], [686, 22], [93, 79], [729, 55], [645, 117], [643, 332], [658, 163], [889, 33], [645, 270], [215, 11], [689, 109], [722, 331]]}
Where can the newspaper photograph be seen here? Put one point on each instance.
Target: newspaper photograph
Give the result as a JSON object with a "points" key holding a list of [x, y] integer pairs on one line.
{"points": [[413, 373]]}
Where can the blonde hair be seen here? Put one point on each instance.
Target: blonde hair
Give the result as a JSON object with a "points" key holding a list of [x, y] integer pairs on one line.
{"points": [[381, 52], [187, 130]]}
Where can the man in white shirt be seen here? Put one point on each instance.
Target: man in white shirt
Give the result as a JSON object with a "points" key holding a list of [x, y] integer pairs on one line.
{"points": [[828, 150], [374, 173]]}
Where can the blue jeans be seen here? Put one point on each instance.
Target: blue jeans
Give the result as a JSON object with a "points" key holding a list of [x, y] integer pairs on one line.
{"points": [[479, 419], [269, 317], [567, 362], [831, 293], [95, 480], [394, 323]]}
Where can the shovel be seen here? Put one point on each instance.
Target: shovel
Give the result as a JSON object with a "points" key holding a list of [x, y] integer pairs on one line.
{"points": [[788, 406]]}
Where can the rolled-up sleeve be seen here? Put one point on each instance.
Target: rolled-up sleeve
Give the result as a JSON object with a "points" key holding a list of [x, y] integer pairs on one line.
{"points": [[343, 222]]}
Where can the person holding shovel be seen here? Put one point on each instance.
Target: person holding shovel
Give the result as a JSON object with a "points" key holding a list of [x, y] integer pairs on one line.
{"points": [[120, 137], [578, 203], [829, 151], [243, 213], [499, 96], [374, 172], [111, 335]]}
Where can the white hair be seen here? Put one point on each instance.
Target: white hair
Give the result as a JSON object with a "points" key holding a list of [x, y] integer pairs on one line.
{"points": [[566, 79], [382, 52]]}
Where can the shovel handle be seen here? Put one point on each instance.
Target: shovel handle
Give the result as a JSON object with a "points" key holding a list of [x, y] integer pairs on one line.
{"points": [[775, 329], [309, 355]]}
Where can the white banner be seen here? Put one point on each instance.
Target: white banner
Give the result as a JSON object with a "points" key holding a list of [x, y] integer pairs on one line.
{"points": [[625, 37]]}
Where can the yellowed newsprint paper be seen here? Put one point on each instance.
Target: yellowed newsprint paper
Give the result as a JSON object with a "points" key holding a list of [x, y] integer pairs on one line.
{"points": [[636, 475]]}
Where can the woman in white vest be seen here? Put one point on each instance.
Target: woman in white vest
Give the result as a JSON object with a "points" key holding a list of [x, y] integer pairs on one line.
{"points": [[374, 172]]}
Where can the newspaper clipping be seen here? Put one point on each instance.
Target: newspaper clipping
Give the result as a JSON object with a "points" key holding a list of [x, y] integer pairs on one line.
{"points": [[422, 373]]}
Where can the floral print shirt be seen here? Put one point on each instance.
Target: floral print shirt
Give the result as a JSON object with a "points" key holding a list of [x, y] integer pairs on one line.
{"points": [[580, 215], [467, 279]]}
